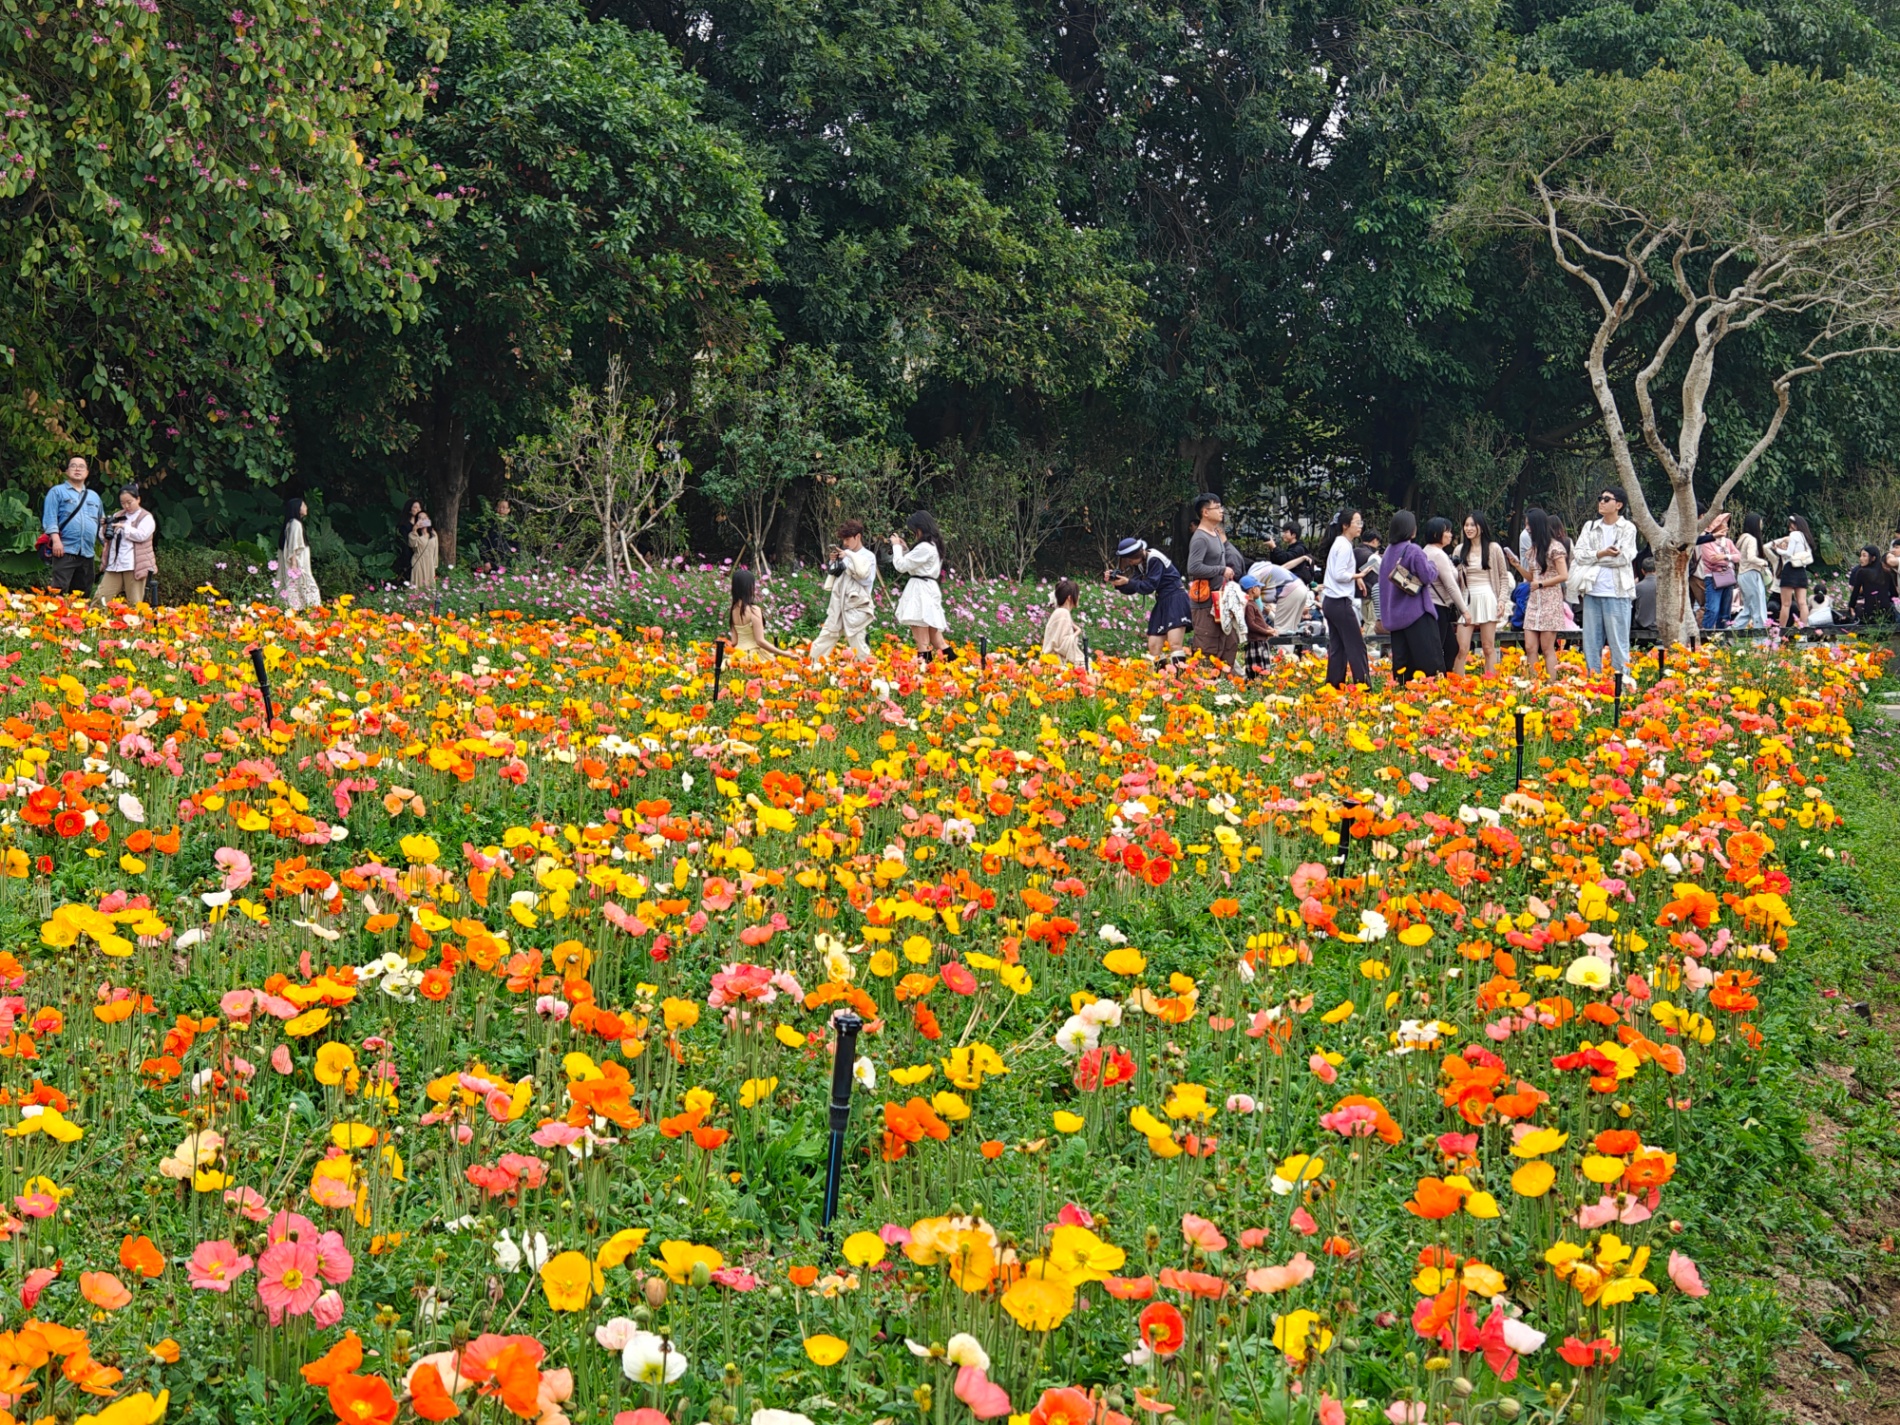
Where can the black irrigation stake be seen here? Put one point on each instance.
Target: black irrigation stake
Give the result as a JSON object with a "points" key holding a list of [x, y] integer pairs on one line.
{"points": [[719, 664], [1519, 716], [848, 1025], [1617, 679], [983, 643], [1086, 666], [263, 687], [1661, 662]]}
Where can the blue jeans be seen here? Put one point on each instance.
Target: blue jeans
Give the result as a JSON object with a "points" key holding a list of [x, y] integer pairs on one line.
{"points": [[1715, 604], [1606, 619], [1754, 612]]}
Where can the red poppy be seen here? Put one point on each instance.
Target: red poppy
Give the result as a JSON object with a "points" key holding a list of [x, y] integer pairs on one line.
{"points": [[1163, 1328]]}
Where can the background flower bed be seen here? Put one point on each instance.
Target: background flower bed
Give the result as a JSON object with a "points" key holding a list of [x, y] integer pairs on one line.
{"points": [[137, 1081]]}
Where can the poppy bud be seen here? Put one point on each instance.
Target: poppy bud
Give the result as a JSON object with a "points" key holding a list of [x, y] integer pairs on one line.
{"points": [[701, 1275], [655, 1288], [1462, 1385], [1506, 1407]]}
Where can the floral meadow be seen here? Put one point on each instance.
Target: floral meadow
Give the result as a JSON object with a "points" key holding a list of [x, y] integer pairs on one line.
{"points": [[458, 1041]]}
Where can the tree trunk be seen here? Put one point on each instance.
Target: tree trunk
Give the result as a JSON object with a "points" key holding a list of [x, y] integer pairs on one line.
{"points": [[447, 471], [1675, 615], [790, 513]]}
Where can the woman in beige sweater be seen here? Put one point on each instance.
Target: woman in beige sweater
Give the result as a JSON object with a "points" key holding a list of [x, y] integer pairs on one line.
{"points": [[1487, 584], [1059, 635]]}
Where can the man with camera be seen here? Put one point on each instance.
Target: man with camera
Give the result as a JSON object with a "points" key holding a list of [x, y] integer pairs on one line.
{"points": [[69, 531], [849, 576]]}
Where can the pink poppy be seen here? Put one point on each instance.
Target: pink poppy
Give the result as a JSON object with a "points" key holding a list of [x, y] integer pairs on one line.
{"points": [[292, 1225], [328, 1310], [1252, 1237], [1268, 1280], [334, 1262], [249, 1202], [1683, 1272], [215, 1265], [332, 1192], [987, 1400], [36, 1204], [1322, 1069], [1201, 1233], [280, 1059], [555, 1134], [238, 1005], [36, 1282], [236, 866], [287, 1280]]}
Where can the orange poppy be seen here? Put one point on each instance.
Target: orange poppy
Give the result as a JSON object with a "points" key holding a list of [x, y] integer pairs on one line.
{"points": [[340, 1360], [137, 1254], [362, 1400]]}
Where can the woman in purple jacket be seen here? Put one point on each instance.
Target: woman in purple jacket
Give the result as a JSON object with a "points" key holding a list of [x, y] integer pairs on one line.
{"points": [[1405, 602]]}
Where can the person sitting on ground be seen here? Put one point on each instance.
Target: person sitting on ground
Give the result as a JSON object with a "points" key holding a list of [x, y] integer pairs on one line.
{"points": [[1872, 588], [1820, 612], [745, 620], [1059, 634]]}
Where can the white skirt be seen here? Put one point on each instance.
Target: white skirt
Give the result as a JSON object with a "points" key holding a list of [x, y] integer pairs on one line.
{"points": [[921, 605], [1482, 603]]}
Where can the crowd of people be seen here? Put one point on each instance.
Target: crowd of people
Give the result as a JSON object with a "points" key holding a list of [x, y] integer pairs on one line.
{"points": [[1440, 592]]}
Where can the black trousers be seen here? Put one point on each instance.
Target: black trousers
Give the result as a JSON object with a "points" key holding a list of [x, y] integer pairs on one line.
{"points": [[70, 573], [1448, 638], [1415, 650], [1345, 644]]}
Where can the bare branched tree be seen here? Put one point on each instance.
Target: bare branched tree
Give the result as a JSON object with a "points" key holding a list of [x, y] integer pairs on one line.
{"points": [[606, 474], [1743, 200]]}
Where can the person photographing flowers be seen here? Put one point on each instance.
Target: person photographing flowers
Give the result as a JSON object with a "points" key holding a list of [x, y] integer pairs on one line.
{"points": [[850, 576], [129, 557]]}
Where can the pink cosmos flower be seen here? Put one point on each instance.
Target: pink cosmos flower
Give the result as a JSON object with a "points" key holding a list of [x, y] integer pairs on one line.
{"points": [[287, 1280], [214, 1266]]}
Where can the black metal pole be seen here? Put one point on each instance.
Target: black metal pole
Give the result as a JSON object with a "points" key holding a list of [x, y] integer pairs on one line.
{"points": [[1661, 654], [1519, 716], [848, 1025], [1617, 682], [263, 688], [1086, 667], [983, 643], [719, 664]]}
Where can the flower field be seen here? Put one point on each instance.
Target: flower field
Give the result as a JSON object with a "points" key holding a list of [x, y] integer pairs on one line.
{"points": [[459, 1042]]}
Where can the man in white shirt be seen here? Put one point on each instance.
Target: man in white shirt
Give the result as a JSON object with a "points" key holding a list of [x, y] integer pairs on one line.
{"points": [[851, 575]]}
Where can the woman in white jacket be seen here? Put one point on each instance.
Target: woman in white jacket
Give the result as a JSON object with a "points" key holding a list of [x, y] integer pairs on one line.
{"points": [[920, 607], [1604, 565]]}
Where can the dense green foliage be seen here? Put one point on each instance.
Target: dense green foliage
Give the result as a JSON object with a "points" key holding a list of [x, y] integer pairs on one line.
{"points": [[1093, 252]]}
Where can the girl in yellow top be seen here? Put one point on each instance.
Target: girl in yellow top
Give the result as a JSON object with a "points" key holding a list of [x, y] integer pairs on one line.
{"points": [[746, 620]]}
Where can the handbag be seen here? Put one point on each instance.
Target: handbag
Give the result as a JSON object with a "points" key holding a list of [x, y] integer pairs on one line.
{"points": [[1405, 580], [1581, 575], [1200, 591]]}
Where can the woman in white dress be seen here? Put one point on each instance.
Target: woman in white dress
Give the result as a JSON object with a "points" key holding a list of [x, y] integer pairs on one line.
{"points": [[296, 585], [1487, 585], [920, 607]]}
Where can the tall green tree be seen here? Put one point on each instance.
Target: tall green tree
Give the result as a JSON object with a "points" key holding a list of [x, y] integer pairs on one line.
{"points": [[186, 193], [600, 215]]}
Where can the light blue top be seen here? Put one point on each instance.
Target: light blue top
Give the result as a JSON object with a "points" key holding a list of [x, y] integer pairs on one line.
{"points": [[81, 513]]}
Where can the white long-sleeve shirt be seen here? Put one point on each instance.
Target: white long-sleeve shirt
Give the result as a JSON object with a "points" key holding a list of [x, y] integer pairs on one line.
{"points": [[1341, 565]]}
